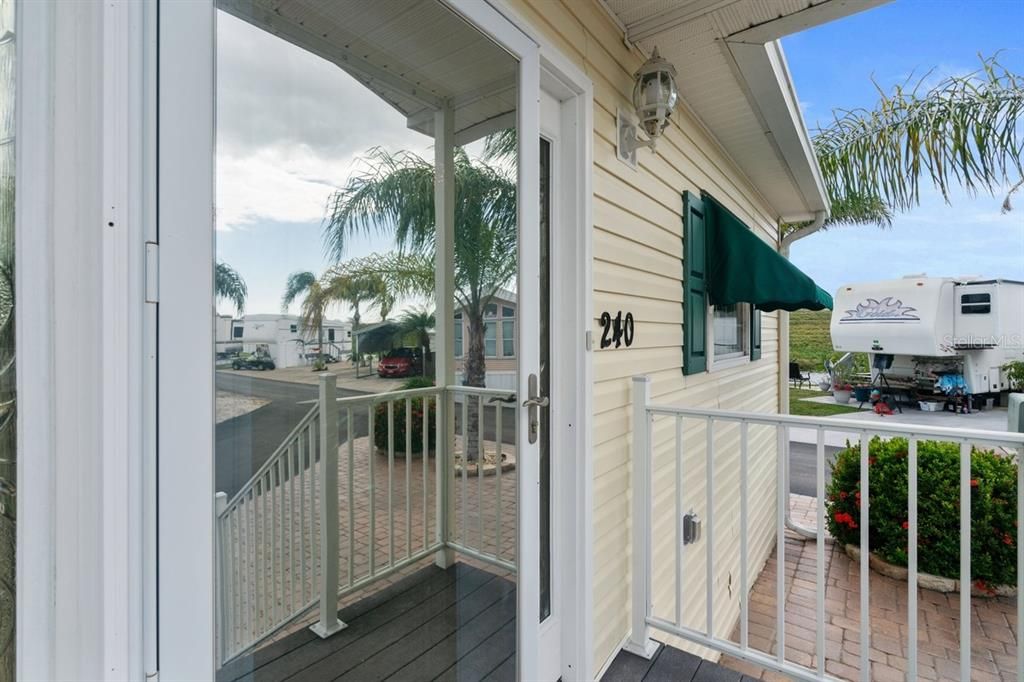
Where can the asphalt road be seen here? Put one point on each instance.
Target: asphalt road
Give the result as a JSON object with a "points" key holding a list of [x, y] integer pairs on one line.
{"points": [[803, 476], [244, 443]]}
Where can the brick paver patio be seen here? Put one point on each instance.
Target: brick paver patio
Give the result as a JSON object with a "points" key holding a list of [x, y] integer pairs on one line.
{"points": [[993, 620]]}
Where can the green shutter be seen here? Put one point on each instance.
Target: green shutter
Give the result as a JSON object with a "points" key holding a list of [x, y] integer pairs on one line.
{"points": [[695, 293], [755, 333]]}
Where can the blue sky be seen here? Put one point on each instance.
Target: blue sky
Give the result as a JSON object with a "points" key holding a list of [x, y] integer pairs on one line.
{"points": [[832, 66], [291, 126]]}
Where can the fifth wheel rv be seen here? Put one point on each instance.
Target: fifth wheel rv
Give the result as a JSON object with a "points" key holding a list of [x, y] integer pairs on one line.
{"points": [[926, 332]]}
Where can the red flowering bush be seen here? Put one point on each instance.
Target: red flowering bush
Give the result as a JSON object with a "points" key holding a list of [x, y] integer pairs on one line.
{"points": [[415, 435], [993, 507]]}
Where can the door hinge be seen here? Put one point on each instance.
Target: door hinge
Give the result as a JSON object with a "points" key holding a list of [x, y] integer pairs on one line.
{"points": [[590, 340], [152, 272]]}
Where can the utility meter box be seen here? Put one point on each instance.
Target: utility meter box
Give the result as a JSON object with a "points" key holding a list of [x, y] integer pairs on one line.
{"points": [[1016, 413]]}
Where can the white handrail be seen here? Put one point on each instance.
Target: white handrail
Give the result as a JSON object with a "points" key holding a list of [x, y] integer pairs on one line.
{"points": [[288, 539], [644, 616]]}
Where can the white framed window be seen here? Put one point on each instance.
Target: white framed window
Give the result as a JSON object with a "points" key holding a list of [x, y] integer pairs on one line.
{"points": [[508, 337], [729, 334], [458, 335], [490, 340]]}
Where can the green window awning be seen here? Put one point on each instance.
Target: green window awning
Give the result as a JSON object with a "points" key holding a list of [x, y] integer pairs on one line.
{"points": [[744, 269]]}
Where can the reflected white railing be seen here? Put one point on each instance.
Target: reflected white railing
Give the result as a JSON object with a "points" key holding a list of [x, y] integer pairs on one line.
{"points": [[362, 488], [644, 618]]}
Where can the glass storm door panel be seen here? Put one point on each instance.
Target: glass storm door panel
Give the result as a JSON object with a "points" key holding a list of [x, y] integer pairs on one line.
{"points": [[362, 470]]}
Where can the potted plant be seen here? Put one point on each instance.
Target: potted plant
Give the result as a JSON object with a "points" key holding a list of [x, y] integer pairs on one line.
{"points": [[842, 389], [1015, 373]]}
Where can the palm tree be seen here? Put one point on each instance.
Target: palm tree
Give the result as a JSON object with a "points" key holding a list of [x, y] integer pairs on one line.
{"points": [[314, 306], [394, 195], [228, 284], [418, 324], [965, 131]]}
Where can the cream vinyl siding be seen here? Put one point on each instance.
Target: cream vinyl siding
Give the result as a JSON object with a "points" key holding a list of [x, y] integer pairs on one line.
{"points": [[637, 267]]}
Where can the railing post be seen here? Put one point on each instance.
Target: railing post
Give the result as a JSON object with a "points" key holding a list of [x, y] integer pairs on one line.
{"points": [[328, 623], [220, 503], [640, 642], [445, 492]]}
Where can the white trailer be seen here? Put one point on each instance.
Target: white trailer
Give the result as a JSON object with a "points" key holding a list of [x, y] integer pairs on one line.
{"points": [[921, 326], [281, 337]]}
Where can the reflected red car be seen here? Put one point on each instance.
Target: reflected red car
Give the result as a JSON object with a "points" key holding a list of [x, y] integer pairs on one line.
{"points": [[401, 362]]}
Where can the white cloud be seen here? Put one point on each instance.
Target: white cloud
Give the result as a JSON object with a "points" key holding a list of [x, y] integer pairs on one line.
{"points": [[289, 126]]}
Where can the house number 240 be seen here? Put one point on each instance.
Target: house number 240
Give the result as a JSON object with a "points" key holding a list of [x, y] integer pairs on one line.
{"points": [[617, 330]]}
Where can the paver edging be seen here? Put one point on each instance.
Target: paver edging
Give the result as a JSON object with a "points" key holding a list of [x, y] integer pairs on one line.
{"points": [[927, 581]]}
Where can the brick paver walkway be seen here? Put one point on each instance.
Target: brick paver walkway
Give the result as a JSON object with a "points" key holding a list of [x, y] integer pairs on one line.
{"points": [[993, 620]]}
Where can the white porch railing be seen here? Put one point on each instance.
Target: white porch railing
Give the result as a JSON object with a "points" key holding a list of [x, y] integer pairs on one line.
{"points": [[644, 618], [321, 519]]}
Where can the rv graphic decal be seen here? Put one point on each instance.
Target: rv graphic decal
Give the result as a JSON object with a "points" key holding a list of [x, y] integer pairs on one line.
{"points": [[886, 310]]}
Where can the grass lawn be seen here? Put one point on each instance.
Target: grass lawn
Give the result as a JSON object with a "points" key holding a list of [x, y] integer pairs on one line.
{"points": [[810, 342], [808, 409]]}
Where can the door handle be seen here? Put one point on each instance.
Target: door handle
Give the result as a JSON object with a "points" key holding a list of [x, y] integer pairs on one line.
{"points": [[534, 402]]}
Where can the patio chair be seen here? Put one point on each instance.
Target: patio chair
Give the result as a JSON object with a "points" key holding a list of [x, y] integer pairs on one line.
{"points": [[798, 377]]}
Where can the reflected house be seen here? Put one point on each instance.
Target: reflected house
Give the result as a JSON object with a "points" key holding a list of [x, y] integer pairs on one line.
{"points": [[288, 344], [613, 493], [499, 341]]}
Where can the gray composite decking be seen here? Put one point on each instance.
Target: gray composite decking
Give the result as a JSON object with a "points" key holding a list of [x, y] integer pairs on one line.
{"points": [[454, 624], [669, 665]]}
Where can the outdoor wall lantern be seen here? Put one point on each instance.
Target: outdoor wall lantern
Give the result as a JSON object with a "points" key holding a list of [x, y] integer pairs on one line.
{"points": [[654, 97]]}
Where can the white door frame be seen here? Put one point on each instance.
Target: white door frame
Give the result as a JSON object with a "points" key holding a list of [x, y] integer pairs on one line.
{"points": [[185, 215]]}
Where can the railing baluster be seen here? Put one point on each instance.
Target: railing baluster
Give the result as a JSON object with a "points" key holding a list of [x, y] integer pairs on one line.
{"points": [[782, 504], [408, 477], [744, 528], [391, 483], [865, 552], [965, 561], [912, 560], [314, 544], [679, 521], [302, 516], [372, 489], [709, 519], [275, 540], [261, 509], [288, 491], [463, 533], [480, 470], [426, 463], [350, 494], [820, 556], [499, 503]]}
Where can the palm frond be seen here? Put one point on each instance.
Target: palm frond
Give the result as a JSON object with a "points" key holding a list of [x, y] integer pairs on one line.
{"points": [[965, 131], [502, 145], [297, 284], [229, 285]]}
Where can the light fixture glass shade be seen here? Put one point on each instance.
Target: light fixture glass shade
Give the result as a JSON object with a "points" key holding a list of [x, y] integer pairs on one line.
{"points": [[655, 94]]}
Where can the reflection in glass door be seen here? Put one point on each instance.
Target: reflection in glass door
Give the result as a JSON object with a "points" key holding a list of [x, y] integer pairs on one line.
{"points": [[367, 515]]}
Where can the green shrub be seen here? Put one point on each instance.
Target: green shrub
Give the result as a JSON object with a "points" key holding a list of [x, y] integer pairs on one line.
{"points": [[380, 421], [993, 508], [417, 382]]}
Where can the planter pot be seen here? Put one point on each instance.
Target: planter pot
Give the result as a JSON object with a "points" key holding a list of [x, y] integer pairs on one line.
{"points": [[842, 397]]}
